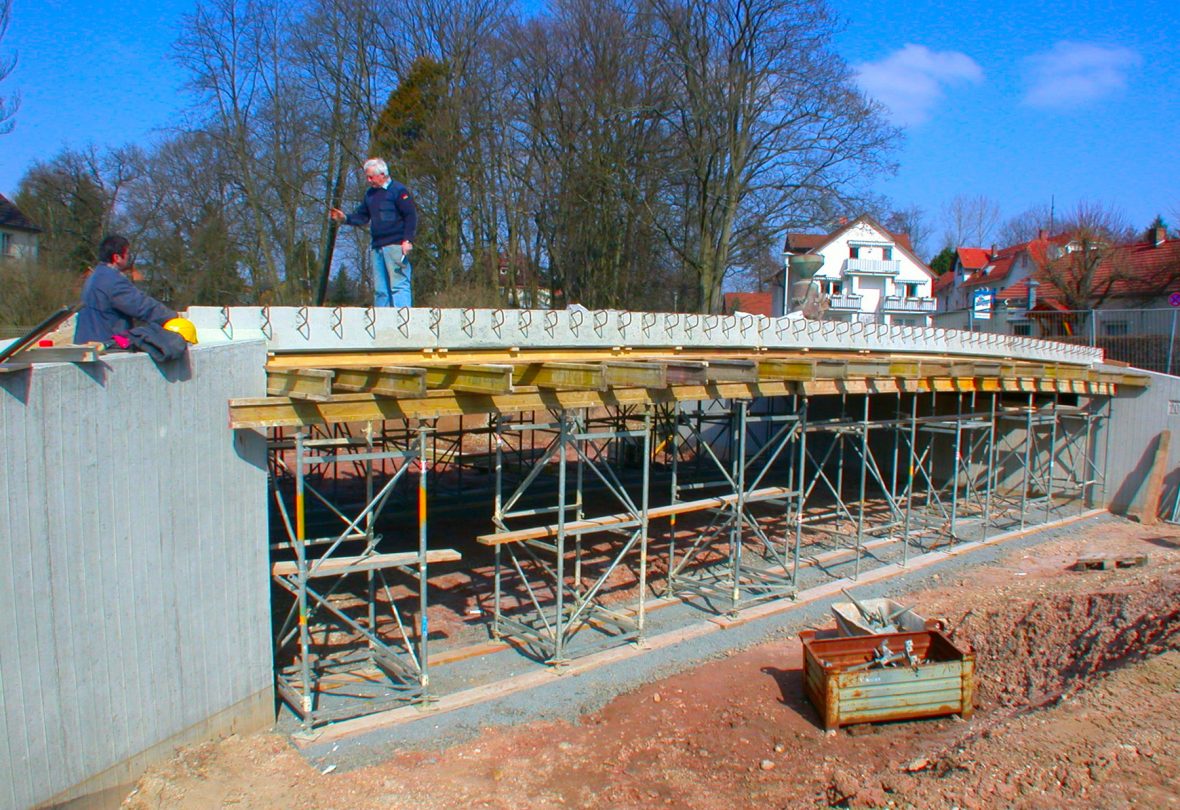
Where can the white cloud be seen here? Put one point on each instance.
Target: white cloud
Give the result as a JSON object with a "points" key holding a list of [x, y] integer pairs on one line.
{"points": [[912, 80], [1074, 73]]}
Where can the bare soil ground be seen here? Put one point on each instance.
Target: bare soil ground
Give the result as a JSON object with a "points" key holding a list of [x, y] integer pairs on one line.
{"points": [[1077, 705]]}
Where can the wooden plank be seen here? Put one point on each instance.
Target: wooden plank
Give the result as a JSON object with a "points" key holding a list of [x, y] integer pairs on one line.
{"points": [[1105, 562], [86, 353], [866, 368], [45, 327], [550, 531], [266, 412], [471, 378], [388, 381], [313, 384], [336, 566], [908, 369], [1146, 507]]}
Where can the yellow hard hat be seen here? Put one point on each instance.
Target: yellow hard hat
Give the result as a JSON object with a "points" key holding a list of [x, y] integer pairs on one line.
{"points": [[183, 327]]}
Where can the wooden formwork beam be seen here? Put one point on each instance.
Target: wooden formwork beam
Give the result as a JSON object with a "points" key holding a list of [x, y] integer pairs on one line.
{"points": [[471, 378], [313, 384], [387, 381], [584, 376]]}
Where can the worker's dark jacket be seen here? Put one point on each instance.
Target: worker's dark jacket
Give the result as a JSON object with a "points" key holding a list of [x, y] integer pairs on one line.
{"points": [[110, 305], [390, 214]]}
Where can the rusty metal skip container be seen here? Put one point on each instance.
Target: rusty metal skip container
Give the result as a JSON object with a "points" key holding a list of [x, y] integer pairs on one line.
{"points": [[844, 680]]}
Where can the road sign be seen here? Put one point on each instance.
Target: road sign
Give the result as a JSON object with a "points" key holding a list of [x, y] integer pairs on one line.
{"points": [[981, 304]]}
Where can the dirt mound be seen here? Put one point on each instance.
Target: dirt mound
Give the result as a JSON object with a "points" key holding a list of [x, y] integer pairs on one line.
{"points": [[1035, 650]]}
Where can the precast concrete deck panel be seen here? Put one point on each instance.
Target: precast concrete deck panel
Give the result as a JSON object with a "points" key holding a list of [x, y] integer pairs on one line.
{"points": [[357, 329]]}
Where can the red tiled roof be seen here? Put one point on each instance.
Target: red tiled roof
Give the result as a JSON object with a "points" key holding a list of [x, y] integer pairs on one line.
{"points": [[944, 281], [11, 217], [753, 303], [1000, 265], [1141, 270], [797, 242], [805, 241], [972, 258]]}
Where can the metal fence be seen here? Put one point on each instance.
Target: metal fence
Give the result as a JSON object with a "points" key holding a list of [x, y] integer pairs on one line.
{"points": [[1144, 338]]}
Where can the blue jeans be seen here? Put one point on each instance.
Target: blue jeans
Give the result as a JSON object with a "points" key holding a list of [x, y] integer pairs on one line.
{"points": [[391, 277]]}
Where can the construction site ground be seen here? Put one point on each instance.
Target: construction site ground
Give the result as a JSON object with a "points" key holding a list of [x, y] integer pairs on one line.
{"points": [[1077, 705]]}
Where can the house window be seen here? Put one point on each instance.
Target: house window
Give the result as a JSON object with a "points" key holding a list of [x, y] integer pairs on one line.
{"points": [[1024, 329], [854, 251], [909, 289], [887, 253], [1115, 328], [834, 288], [6, 246]]}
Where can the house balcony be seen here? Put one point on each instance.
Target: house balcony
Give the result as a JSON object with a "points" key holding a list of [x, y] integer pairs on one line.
{"points": [[844, 301], [872, 267], [895, 303]]}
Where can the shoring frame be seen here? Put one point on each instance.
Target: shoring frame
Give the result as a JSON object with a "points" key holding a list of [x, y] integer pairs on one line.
{"points": [[734, 581], [555, 605], [314, 670], [558, 614]]}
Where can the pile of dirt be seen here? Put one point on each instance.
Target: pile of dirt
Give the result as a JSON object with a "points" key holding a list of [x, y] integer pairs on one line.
{"points": [[1036, 650], [1078, 678]]}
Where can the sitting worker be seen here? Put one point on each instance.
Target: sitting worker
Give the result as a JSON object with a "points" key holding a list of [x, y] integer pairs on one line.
{"points": [[111, 304]]}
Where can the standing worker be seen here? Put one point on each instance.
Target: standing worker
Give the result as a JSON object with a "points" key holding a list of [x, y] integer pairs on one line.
{"points": [[392, 217], [111, 304]]}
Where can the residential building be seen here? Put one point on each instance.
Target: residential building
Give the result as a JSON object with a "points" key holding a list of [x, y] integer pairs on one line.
{"points": [[868, 275], [1140, 276], [18, 234], [979, 270], [944, 288]]}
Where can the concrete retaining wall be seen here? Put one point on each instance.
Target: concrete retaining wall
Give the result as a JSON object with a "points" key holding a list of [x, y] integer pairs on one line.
{"points": [[134, 582], [1136, 422]]}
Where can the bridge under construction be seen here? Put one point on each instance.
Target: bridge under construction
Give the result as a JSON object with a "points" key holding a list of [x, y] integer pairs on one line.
{"points": [[608, 463]]}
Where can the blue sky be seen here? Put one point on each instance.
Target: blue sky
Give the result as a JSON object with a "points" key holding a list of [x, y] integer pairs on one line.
{"points": [[1012, 100], [1026, 102]]}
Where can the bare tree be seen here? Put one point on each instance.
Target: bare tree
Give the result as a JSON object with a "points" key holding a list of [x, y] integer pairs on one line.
{"points": [[335, 50], [589, 149], [1086, 270], [911, 222], [192, 245], [9, 105], [971, 221], [767, 124], [1027, 226], [75, 197], [442, 122]]}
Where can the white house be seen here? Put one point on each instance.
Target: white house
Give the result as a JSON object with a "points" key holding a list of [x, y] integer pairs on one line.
{"points": [[18, 234], [868, 274]]}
